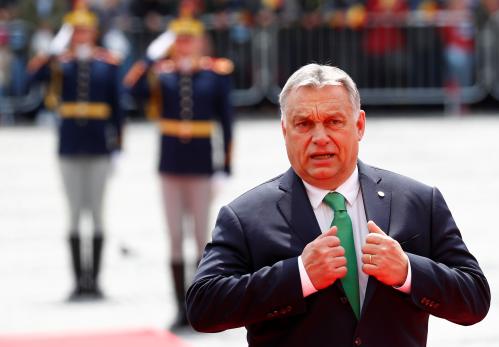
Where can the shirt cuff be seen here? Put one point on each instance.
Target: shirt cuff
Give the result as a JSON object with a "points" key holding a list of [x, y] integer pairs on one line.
{"points": [[406, 287], [306, 285]]}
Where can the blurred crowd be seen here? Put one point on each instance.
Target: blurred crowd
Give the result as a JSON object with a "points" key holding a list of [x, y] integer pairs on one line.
{"points": [[127, 27]]}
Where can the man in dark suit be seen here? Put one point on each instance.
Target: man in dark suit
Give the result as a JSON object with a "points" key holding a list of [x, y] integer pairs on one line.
{"points": [[334, 252]]}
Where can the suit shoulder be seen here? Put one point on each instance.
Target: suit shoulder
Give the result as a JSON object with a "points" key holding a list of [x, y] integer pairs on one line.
{"points": [[401, 181], [106, 56]]}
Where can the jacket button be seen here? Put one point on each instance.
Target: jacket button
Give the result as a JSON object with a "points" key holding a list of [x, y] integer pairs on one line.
{"points": [[344, 300], [288, 309], [357, 341]]}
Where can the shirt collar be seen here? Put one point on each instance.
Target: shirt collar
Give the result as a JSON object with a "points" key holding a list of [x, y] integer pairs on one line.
{"points": [[349, 189]]}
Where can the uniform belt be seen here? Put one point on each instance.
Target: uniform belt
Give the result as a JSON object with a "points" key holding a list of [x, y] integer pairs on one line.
{"points": [[186, 129], [85, 110]]}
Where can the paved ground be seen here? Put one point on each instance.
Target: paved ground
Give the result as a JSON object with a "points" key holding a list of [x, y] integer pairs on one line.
{"points": [[460, 156]]}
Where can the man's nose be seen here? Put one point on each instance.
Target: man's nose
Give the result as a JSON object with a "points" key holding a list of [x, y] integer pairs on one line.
{"points": [[320, 136]]}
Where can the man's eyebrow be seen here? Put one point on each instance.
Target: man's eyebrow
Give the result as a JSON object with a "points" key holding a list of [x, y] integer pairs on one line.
{"points": [[301, 111], [334, 113]]}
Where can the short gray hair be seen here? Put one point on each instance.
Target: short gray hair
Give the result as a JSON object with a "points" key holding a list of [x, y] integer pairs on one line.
{"points": [[315, 75]]}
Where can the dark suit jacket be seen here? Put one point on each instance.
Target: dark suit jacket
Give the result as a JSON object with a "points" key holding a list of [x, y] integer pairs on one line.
{"points": [[249, 272]]}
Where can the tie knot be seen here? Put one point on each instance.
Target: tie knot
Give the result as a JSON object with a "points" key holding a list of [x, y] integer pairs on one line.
{"points": [[336, 201]]}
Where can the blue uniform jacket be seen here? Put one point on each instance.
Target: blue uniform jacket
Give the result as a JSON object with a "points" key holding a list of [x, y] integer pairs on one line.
{"points": [[86, 97], [186, 107]]}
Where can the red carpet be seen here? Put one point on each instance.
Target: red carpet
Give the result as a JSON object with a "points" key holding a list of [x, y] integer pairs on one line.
{"points": [[144, 338]]}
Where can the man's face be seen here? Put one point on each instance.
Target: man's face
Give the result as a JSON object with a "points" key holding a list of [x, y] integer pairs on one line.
{"points": [[188, 45], [322, 134], [84, 35]]}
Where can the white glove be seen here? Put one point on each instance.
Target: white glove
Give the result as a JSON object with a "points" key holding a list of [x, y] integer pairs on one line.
{"points": [[61, 41], [116, 41], [159, 46]]}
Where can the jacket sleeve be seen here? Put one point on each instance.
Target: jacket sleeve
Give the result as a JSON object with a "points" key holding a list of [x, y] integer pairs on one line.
{"points": [[142, 83], [227, 294], [118, 116], [38, 71], [226, 115], [46, 70], [135, 80], [451, 284]]}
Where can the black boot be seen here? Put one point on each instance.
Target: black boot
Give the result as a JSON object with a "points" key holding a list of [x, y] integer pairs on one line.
{"points": [[75, 248], [179, 286], [94, 288]]}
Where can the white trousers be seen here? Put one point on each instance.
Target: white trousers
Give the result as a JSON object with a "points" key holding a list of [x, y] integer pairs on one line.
{"points": [[186, 197], [84, 180]]}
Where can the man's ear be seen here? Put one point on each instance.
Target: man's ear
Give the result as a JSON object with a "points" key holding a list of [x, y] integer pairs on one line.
{"points": [[283, 127], [361, 125]]}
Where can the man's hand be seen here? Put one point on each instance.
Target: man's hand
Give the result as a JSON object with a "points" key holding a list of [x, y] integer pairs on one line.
{"points": [[324, 259], [383, 257]]}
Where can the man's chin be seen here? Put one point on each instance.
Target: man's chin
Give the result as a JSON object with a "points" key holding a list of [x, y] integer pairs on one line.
{"points": [[323, 179], [323, 174]]}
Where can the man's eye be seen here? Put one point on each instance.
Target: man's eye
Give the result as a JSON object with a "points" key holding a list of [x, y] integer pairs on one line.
{"points": [[303, 124], [335, 122]]}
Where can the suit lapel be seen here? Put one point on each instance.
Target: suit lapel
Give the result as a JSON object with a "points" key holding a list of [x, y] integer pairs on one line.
{"points": [[296, 209], [377, 199], [377, 204]]}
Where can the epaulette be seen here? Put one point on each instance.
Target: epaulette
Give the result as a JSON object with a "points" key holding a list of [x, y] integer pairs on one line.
{"points": [[135, 73], [106, 56], [223, 66], [37, 62], [165, 66]]}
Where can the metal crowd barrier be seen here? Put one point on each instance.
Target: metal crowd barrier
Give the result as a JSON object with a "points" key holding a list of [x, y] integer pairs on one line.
{"points": [[490, 42], [244, 46], [409, 69]]}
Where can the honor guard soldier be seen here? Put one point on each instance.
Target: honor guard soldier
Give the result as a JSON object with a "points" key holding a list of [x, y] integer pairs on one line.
{"points": [[187, 94], [83, 89]]}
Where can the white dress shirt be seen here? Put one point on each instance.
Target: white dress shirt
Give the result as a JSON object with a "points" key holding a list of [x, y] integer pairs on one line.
{"points": [[350, 189]]}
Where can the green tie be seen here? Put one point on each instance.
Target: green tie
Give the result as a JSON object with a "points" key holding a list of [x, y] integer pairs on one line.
{"points": [[342, 220]]}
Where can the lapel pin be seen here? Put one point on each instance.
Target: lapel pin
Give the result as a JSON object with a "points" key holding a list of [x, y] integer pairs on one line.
{"points": [[381, 194]]}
